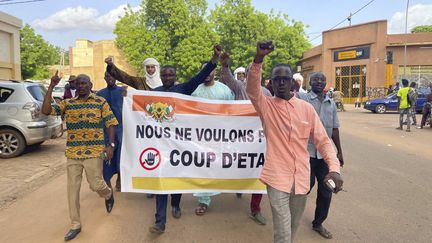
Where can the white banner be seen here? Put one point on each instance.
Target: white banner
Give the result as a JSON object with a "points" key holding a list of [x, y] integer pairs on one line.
{"points": [[173, 143]]}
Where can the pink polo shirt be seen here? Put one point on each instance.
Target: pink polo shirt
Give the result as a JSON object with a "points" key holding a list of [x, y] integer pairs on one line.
{"points": [[287, 127]]}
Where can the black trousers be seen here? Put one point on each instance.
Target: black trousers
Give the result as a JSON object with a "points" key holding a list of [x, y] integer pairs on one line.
{"points": [[319, 170]]}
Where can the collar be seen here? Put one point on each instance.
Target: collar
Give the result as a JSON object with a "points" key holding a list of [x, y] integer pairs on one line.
{"points": [[290, 102], [91, 96], [315, 96]]}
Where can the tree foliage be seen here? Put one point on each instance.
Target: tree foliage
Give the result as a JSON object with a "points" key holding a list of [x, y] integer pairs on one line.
{"points": [[36, 54], [179, 33], [422, 28]]}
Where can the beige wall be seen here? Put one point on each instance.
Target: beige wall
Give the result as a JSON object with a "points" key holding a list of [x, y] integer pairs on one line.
{"points": [[93, 64], [10, 60]]}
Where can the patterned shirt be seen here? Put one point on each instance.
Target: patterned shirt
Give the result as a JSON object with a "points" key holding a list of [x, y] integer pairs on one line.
{"points": [[85, 120]]}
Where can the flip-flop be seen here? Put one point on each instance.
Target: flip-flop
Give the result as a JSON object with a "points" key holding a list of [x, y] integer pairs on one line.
{"points": [[323, 232], [201, 209]]}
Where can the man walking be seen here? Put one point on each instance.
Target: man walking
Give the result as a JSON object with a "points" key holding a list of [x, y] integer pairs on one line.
{"points": [[86, 116], [169, 78], [238, 86], [404, 107], [288, 123], [113, 94], [326, 110]]}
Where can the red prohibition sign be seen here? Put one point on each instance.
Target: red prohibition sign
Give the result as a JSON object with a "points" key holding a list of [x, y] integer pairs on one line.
{"points": [[150, 158]]}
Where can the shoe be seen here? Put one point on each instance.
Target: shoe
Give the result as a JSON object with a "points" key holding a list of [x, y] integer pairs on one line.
{"points": [[258, 218], [176, 212], [72, 234], [150, 195], [323, 231], [109, 203], [408, 130], [157, 229], [239, 195], [399, 128], [420, 127]]}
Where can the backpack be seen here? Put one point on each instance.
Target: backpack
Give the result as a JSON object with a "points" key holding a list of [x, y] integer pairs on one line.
{"points": [[412, 97]]}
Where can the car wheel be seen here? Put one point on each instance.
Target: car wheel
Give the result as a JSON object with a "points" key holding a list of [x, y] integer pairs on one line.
{"points": [[380, 109], [12, 143]]}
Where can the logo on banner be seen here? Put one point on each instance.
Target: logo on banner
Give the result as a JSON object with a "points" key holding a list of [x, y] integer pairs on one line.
{"points": [[150, 158], [160, 111]]}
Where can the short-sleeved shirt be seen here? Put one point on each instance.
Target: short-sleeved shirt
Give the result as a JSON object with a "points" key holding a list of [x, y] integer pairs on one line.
{"points": [[403, 94], [327, 112], [85, 120]]}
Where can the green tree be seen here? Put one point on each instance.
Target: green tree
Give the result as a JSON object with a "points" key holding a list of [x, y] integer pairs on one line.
{"points": [[36, 54], [422, 28], [240, 26], [174, 32]]}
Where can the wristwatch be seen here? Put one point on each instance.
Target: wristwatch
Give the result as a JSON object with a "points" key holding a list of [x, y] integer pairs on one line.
{"points": [[112, 145]]}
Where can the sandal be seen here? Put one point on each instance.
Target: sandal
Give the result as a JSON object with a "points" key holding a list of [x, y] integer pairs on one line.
{"points": [[323, 232], [201, 209]]}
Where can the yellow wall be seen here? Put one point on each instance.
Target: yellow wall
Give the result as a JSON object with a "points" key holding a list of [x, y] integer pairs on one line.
{"points": [[10, 60]]}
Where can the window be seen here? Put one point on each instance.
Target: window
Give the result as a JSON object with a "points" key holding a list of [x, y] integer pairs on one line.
{"points": [[5, 93], [37, 91]]}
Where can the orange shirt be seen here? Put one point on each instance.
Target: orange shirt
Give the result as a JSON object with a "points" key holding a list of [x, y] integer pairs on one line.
{"points": [[287, 127]]}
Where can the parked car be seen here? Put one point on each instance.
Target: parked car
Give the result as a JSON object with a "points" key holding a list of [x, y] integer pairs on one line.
{"points": [[58, 93], [390, 103], [21, 122]]}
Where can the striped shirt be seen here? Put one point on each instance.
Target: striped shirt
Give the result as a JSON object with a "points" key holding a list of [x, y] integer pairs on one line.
{"points": [[85, 120]]}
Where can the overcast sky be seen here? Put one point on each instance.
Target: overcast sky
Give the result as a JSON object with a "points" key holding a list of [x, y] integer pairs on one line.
{"points": [[62, 22]]}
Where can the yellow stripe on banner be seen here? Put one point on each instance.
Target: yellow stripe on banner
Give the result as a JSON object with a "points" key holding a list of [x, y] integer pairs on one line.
{"points": [[174, 183]]}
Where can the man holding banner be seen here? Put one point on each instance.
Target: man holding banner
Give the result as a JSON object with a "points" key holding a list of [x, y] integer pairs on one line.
{"points": [[288, 123], [168, 75]]}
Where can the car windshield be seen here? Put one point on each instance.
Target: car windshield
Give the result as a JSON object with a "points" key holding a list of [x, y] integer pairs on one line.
{"points": [[37, 91], [390, 96]]}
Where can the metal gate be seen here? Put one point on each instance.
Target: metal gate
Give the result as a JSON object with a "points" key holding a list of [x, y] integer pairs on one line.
{"points": [[351, 81]]}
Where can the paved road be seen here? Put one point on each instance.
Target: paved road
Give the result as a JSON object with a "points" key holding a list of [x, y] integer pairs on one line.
{"points": [[387, 176]]}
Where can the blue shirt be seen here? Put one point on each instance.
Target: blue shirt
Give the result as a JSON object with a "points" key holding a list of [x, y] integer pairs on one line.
{"points": [[327, 112], [218, 91]]}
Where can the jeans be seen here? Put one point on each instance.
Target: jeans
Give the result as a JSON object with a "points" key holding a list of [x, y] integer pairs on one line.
{"points": [[401, 115], [161, 206], [319, 170], [287, 210]]}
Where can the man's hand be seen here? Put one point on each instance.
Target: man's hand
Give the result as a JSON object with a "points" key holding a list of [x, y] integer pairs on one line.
{"points": [[337, 180], [224, 59], [263, 49], [109, 152], [109, 61], [217, 50], [341, 160], [55, 80]]}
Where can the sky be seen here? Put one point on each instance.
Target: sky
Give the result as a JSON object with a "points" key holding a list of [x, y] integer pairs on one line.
{"points": [[62, 22]]}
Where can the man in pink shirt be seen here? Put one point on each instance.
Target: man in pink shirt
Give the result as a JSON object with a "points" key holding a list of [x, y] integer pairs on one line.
{"points": [[288, 123]]}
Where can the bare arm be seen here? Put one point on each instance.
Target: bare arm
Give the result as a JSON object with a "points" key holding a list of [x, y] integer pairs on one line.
{"points": [[336, 141], [46, 105]]}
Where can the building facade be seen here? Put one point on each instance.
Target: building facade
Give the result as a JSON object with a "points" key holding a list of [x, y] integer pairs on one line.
{"points": [[88, 57], [10, 60], [363, 60]]}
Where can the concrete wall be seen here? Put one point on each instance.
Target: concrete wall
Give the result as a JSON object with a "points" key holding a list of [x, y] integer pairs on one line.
{"points": [[10, 60]]}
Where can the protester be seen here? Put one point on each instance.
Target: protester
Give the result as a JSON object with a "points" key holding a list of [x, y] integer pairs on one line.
{"points": [[326, 110], [426, 110], [113, 94], [70, 88], [337, 97], [288, 122], [390, 89], [396, 87], [299, 79], [212, 90], [86, 116], [413, 89], [149, 82], [404, 107], [239, 89], [169, 77]]}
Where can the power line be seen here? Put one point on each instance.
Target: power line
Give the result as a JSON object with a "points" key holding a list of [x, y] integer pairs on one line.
{"points": [[347, 18], [8, 2]]}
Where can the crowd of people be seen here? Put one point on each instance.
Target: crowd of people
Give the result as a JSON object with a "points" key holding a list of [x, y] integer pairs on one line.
{"points": [[300, 128]]}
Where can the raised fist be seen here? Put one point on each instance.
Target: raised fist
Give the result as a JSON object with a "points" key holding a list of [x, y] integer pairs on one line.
{"points": [[264, 47], [109, 61], [224, 59]]}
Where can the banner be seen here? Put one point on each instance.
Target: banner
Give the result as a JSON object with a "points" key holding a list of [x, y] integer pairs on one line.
{"points": [[173, 143]]}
